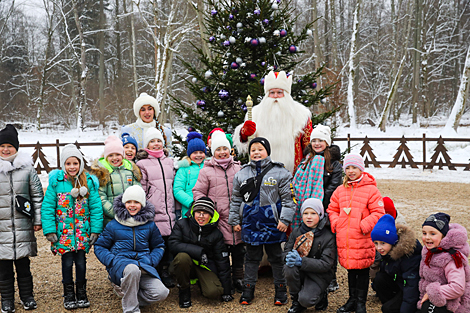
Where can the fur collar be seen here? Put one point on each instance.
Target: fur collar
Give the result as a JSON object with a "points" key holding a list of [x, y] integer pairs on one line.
{"points": [[406, 244], [22, 159], [146, 214], [98, 169]]}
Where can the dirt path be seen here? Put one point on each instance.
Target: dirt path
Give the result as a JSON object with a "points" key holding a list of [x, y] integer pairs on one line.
{"points": [[415, 200]]}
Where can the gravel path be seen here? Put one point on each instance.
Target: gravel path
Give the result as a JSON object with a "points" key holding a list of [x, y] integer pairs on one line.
{"points": [[415, 200]]}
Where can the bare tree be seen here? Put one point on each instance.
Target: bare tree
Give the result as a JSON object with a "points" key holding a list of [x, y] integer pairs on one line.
{"points": [[352, 66]]}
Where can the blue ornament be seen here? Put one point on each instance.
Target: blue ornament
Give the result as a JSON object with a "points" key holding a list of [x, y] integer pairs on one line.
{"points": [[283, 33], [229, 27], [214, 12], [234, 65], [299, 81], [200, 102], [226, 43], [314, 85], [230, 16], [224, 94], [306, 101], [266, 21], [211, 38], [206, 89], [262, 81], [257, 12], [254, 42], [292, 49], [263, 63], [244, 108]]}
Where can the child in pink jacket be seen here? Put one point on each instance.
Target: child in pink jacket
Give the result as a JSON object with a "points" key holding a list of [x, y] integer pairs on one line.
{"points": [[444, 270], [216, 182]]}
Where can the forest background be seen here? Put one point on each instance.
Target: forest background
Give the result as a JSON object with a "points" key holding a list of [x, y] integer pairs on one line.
{"points": [[81, 63]]}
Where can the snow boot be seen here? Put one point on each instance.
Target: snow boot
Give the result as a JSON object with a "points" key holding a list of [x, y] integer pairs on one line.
{"points": [[25, 286], [248, 294], [350, 305], [7, 289], [322, 305], [185, 298], [333, 286], [70, 302], [296, 307], [237, 279], [280, 295], [82, 299], [361, 301], [167, 279]]}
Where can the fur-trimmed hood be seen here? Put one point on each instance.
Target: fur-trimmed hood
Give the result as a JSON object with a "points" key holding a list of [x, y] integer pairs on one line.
{"points": [[23, 159], [406, 244], [104, 176], [146, 214]]}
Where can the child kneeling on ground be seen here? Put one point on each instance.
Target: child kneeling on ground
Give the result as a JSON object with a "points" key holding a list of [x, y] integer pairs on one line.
{"points": [[396, 283], [131, 248], [310, 258], [262, 213], [200, 252]]}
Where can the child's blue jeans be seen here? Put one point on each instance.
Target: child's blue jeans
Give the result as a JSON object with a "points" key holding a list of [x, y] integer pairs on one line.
{"points": [[77, 257]]}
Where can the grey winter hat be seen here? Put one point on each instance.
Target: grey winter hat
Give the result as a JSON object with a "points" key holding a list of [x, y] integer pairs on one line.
{"points": [[315, 204], [68, 151]]}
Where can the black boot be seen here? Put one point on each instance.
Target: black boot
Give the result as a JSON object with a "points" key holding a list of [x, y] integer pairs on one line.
{"points": [[70, 302], [350, 305], [25, 286], [237, 279], [167, 279], [333, 286], [361, 301], [7, 289], [280, 295], [248, 294], [296, 307], [82, 299], [322, 305], [185, 298]]}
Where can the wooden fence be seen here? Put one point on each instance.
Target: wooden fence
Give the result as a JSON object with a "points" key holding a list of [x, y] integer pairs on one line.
{"points": [[403, 156]]}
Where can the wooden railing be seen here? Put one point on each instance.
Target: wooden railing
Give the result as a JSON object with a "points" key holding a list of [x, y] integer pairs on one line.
{"points": [[404, 156]]}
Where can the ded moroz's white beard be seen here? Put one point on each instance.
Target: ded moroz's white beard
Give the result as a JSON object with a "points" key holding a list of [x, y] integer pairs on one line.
{"points": [[281, 120]]}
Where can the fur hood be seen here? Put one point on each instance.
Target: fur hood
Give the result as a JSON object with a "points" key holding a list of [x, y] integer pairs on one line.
{"points": [[146, 214], [103, 174], [23, 159], [456, 238], [406, 243]]}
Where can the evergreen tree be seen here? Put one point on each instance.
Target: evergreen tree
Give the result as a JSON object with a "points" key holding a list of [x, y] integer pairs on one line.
{"points": [[247, 39]]}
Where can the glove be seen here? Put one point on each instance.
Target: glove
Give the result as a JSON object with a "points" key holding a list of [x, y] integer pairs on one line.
{"points": [[204, 259], [248, 129], [227, 298], [290, 259], [52, 237], [93, 238]]}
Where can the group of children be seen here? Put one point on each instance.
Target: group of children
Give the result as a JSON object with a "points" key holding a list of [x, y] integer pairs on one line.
{"points": [[224, 217]]}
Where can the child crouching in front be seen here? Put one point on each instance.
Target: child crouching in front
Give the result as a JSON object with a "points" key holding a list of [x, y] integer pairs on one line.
{"points": [[310, 257], [262, 214], [131, 248], [396, 282], [445, 274]]}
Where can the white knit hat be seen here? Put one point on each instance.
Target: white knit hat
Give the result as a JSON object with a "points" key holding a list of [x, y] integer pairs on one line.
{"points": [[68, 151], [321, 132], [218, 139], [135, 193], [152, 133], [277, 80], [144, 99]]}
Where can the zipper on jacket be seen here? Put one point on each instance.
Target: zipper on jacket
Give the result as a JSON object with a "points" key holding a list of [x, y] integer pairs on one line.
{"points": [[133, 235], [122, 182], [74, 233], [166, 195], [13, 216], [199, 236]]}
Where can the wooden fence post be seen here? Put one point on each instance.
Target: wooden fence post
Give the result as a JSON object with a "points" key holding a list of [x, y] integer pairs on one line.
{"points": [[58, 152], [424, 151]]}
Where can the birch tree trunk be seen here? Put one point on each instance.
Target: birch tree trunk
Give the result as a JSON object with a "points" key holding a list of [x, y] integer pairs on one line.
{"points": [[352, 66], [462, 96], [101, 67], [134, 47], [316, 38], [334, 36], [416, 62], [202, 28]]}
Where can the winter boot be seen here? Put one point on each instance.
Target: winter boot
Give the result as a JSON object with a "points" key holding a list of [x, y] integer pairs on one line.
{"points": [[237, 279], [361, 301], [185, 297], [296, 307], [7, 289], [280, 295], [322, 305], [70, 302], [333, 286], [25, 286], [167, 279], [350, 305], [82, 299], [248, 294]]}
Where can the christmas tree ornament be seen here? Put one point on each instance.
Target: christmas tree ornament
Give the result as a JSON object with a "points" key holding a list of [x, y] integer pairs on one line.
{"points": [[194, 80], [238, 60], [263, 63], [254, 42], [220, 114], [257, 12], [283, 33], [275, 67], [224, 94], [234, 65], [244, 108], [240, 101], [274, 6], [214, 12], [243, 65], [309, 32], [211, 38], [292, 49], [266, 21], [306, 101], [323, 100], [229, 27], [314, 85], [278, 53], [230, 16], [278, 1], [248, 15], [206, 89], [235, 33], [247, 39], [200, 102], [262, 81], [228, 54], [276, 32], [232, 39], [226, 43], [239, 25], [208, 74], [262, 40], [252, 76]]}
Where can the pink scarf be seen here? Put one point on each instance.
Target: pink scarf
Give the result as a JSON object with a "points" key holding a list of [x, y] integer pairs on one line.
{"points": [[224, 162], [155, 153]]}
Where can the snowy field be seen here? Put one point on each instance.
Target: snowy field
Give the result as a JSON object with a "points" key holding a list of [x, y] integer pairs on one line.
{"points": [[384, 150]]}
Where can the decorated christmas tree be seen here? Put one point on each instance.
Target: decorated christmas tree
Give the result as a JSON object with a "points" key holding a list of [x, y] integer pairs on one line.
{"points": [[247, 39]]}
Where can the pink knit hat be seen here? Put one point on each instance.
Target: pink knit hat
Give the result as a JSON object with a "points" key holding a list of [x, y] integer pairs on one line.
{"points": [[113, 144], [353, 160]]}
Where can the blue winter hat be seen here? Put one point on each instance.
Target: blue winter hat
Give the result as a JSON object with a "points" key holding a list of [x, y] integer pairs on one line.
{"points": [[195, 143], [126, 138], [385, 230]]}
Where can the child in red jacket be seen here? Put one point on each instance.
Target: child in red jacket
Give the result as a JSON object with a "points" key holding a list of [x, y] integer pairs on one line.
{"points": [[354, 209]]}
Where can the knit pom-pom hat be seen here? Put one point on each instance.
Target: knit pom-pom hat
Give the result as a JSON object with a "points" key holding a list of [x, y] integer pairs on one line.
{"points": [[126, 138], [112, 144], [68, 151], [195, 143]]}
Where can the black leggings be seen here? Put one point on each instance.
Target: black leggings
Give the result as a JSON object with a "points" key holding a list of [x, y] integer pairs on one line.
{"points": [[359, 279], [22, 267]]}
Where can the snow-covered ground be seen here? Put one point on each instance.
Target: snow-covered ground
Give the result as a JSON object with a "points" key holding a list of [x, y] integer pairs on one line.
{"points": [[384, 150]]}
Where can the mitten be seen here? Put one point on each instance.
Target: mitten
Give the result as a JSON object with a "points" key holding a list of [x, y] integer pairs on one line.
{"points": [[248, 129], [51, 237], [93, 238]]}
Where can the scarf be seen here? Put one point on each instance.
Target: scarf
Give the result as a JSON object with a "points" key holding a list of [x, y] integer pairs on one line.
{"points": [[144, 125], [224, 162], [357, 180], [10, 159], [456, 255], [157, 154], [308, 183]]}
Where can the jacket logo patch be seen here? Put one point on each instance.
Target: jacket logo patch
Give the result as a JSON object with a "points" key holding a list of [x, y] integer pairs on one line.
{"points": [[129, 179], [270, 182], [224, 254]]}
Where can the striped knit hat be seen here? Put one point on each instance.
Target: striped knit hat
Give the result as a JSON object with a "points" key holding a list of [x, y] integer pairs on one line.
{"points": [[204, 204], [353, 160]]}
